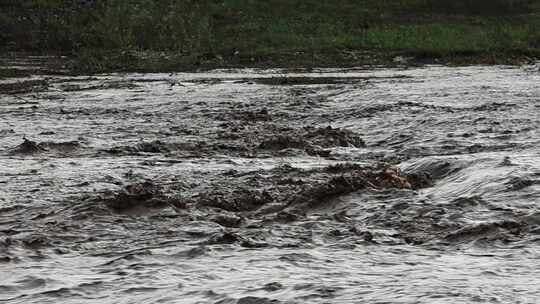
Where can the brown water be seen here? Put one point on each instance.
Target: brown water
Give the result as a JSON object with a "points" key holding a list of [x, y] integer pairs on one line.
{"points": [[417, 185]]}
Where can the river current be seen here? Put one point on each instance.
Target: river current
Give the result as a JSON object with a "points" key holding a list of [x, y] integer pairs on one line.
{"points": [[391, 185]]}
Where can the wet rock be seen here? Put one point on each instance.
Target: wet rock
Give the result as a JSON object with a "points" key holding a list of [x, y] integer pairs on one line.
{"points": [[28, 147], [47, 133], [364, 234], [320, 153], [145, 194], [286, 216], [274, 286], [289, 201], [249, 243], [335, 137], [35, 241], [256, 300], [185, 149], [314, 140], [32, 147], [322, 192], [420, 180], [327, 292], [504, 230], [225, 237], [67, 146], [283, 142], [506, 162], [344, 167], [227, 220], [392, 177], [236, 200], [155, 146], [253, 116], [5, 259], [230, 147], [291, 181]]}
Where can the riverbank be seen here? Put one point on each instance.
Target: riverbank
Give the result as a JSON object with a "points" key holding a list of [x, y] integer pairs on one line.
{"points": [[145, 36], [19, 65]]}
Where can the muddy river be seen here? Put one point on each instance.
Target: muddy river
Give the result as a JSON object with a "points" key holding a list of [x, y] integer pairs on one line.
{"points": [[405, 185]]}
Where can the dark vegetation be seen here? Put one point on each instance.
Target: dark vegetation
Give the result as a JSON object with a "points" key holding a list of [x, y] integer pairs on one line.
{"points": [[166, 35]]}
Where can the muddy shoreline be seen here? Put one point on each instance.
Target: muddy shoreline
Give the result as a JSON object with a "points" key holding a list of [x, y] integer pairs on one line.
{"points": [[17, 64]]}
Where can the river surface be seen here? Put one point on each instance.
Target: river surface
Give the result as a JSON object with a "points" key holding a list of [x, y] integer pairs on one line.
{"points": [[404, 185]]}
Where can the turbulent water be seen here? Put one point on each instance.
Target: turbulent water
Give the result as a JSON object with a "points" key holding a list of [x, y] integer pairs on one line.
{"points": [[417, 185]]}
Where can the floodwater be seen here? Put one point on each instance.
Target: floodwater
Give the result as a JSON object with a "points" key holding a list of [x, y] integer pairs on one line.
{"points": [[405, 185]]}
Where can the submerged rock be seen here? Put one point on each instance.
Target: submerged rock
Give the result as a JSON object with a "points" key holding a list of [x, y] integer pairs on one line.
{"points": [[155, 146], [504, 230], [283, 142], [67, 146], [234, 201], [227, 220], [343, 184], [256, 300], [313, 141], [33, 147], [28, 147], [223, 237], [335, 137], [144, 194]]}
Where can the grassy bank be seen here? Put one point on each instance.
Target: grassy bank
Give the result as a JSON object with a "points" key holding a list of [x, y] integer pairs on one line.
{"points": [[165, 35]]}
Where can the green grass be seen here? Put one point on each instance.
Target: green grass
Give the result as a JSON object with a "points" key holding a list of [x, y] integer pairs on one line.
{"points": [[167, 35], [409, 26]]}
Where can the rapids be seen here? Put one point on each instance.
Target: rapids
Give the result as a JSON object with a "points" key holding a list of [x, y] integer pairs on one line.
{"points": [[390, 185]]}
